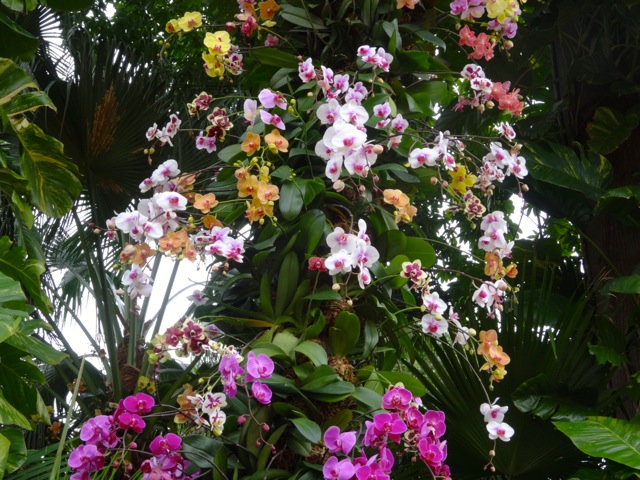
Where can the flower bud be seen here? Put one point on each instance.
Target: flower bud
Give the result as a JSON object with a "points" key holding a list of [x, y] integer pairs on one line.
{"points": [[434, 180], [335, 287], [96, 231], [350, 302], [492, 453], [472, 332], [525, 187], [265, 427], [338, 185], [378, 149], [133, 445], [241, 420]]}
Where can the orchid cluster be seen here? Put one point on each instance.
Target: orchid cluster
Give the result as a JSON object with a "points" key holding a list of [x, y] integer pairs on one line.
{"points": [[106, 435], [486, 94], [495, 358], [205, 409], [402, 424], [493, 415], [490, 294], [157, 220], [188, 337], [249, 17], [503, 23], [348, 251]]}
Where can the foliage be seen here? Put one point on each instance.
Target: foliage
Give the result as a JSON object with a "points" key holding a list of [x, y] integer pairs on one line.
{"points": [[341, 210]]}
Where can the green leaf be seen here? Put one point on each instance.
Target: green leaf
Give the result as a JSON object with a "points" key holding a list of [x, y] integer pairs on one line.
{"points": [[587, 173], [231, 153], [410, 382], [324, 294], [302, 18], [308, 429], [368, 398], [274, 57], [610, 128], [16, 42], [53, 179], [425, 35], [286, 341], [370, 337], [430, 93], [287, 282], [10, 416], [605, 437], [391, 243], [345, 333], [200, 449], [27, 102], [420, 249], [314, 351], [5, 445], [12, 79], [629, 284], [17, 453], [606, 354], [14, 264], [291, 201], [411, 61], [311, 230]]}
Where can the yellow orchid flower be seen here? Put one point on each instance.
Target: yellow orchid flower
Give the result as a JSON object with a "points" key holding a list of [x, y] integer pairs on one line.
{"points": [[218, 43], [190, 20]]}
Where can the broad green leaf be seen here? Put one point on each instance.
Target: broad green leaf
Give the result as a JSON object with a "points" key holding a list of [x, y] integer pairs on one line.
{"points": [[14, 264], [311, 230], [320, 377], [308, 429], [610, 128], [628, 284], [368, 398], [12, 78], [36, 348], [274, 57], [17, 453], [231, 153], [391, 243], [587, 173], [26, 102], [605, 437], [301, 17], [430, 93], [420, 249], [425, 35], [265, 296], [345, 333], [411, 61], [606, 354], [5, 445], [324, 294], [410, 382], [200, 449], [314, 351], [291, 201], [16, 42], [286, 341], [53, 179], [10, 416], [220, 461], [370, 337], [287, 282]]}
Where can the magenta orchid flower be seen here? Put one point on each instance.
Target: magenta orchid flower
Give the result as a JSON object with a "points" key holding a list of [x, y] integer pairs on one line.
{"points": [[338, 470], [260, 366], [261, 392], [139, 403], [339, 442], [164, 445]]}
